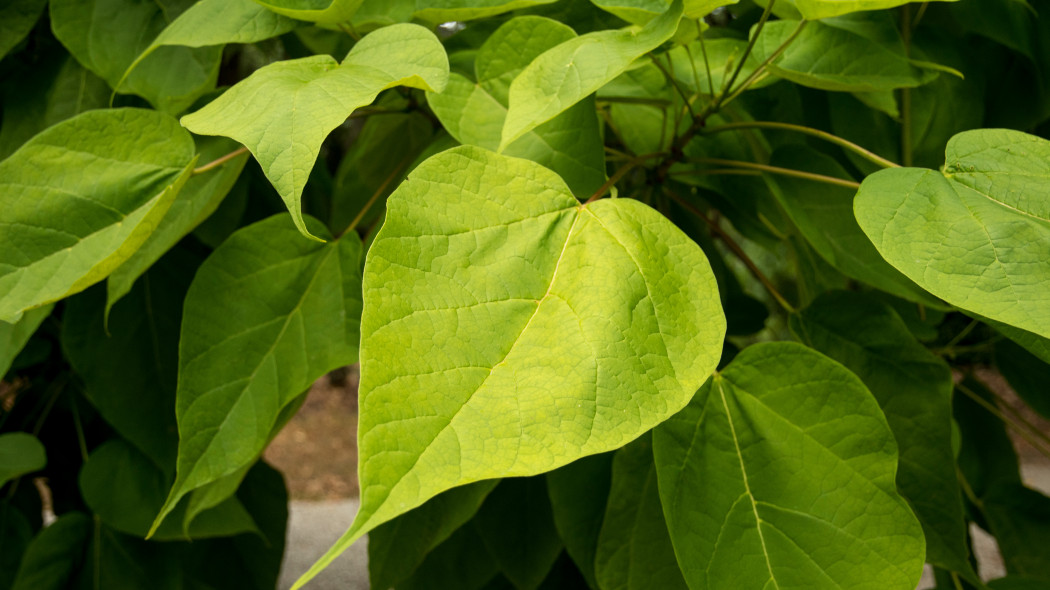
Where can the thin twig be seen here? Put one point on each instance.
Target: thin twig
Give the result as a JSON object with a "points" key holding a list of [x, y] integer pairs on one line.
{"points": [[732, 245], [777, 170], [845, 143], [761, 69], [620, 173], [219, 161], [707, 63], [375, 197], [1038, 440], [674, 83]]}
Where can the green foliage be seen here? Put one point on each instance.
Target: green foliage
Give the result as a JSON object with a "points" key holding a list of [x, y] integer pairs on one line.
{"points": [[645, 293]]}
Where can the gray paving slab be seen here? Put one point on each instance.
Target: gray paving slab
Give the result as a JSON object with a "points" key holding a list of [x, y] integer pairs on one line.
{"points": [[312, 528]]}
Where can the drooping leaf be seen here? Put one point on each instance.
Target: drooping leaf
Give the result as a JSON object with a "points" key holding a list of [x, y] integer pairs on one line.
{"points": [[267, 314], [634, 548], [474, 113], [54, 555], [398, 547], [517, 527], [977, 234], [837, 58], [309, 97], [913, 387], [218, 22], [129, 363], [440, 11], [780, 474], [107, 35], [823, 213], [570, 71], [817, 9], [198, 199], [125, 490], [325, 12], [20, 453], [500, 293], [579, 493], [111, 174], [13, 337], [17, 18]]}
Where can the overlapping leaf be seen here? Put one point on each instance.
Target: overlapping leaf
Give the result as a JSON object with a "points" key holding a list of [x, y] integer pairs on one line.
{"points": [[569, 144], [81, 197], [976, 234], [579, 493], [841, 58], [440, 11], [398, 547], [816, 9], [218, 22], [17, 18], [13, 337], [570, 71], [283, 111], [267, 314], [325, 12], [913, 388], [634, 549], [492, 344], [107, 35], [823, 213], [780, 474], [198, 199]]}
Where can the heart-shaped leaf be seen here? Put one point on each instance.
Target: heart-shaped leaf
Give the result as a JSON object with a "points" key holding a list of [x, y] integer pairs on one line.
{"points": [[307, 98], [977, 233], [780, 466], [508, 330]]}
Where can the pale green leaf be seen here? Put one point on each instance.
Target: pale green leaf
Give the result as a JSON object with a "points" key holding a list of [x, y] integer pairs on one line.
{"points": [[634, 549], [567, 73], [107, 35], [780, 474], [517, 331], [20, 453], [13, 337], [837, 58], [218, 22], [815, 9], [439, 11], [723, 56], [398, 547], [512, 47], [569, 144], [267, 314], [198, 199], [307, 98], [125, 490], [823, 213], [977, 234], [17, 18], [913, 387], [79, 198], [325, 12]]}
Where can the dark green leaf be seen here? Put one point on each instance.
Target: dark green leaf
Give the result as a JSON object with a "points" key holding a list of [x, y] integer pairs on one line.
{"points": [[517, 527], [780, 474], [20, 453], [579, 493], [55, 554], [634, 549], [13, 337], [17, 18]]}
